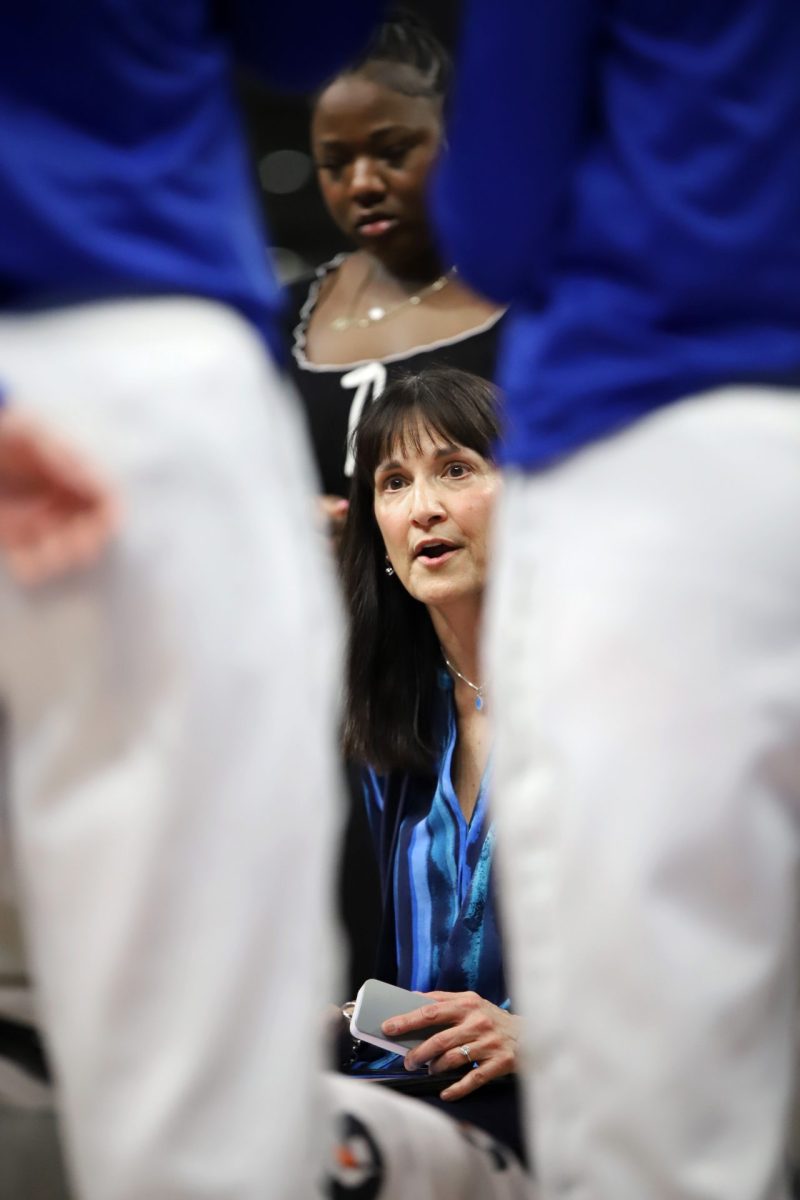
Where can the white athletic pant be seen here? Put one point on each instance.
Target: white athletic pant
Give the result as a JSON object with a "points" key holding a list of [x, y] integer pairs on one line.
{"points": [[392, 1147], [174, 791], [645, 648]]}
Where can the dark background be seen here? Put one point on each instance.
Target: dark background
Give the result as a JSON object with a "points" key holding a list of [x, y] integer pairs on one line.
{"points": [[300, 231]]}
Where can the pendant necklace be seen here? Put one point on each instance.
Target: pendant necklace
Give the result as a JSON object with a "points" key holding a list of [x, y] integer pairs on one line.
{"points": [[378, 313], [476, 687]]}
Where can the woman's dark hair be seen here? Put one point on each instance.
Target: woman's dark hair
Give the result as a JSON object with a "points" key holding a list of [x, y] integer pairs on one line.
{"points": [[406, 41], [393, 654]]}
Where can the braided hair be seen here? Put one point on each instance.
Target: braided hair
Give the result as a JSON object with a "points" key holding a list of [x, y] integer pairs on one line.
{"points": [[405, 40]]}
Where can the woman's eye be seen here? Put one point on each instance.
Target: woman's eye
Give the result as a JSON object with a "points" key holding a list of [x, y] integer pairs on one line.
{"points": [[395, 155], [394, 483], [457, 470]]}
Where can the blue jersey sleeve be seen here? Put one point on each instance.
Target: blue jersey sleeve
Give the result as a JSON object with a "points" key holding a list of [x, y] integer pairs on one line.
{"points": [[295, 46], [517, 121]]}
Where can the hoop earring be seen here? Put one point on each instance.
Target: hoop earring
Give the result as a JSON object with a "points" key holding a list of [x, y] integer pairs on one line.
{"points": [[389, 569]]}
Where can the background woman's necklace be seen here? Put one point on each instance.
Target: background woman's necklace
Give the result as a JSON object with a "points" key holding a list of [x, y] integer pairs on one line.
{"points": [[476, 687], [378, 313]]}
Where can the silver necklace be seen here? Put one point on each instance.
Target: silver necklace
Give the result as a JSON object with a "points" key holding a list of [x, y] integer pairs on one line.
{"points": [[476, 687], [377, 313]]}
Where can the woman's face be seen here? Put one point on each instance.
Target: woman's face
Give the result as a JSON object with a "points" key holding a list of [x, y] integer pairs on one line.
{"points": [[373, 148], [433, 509]]}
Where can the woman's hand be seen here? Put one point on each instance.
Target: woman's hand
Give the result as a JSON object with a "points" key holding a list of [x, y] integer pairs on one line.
{"points": [[56, 512], [490, 1034]]}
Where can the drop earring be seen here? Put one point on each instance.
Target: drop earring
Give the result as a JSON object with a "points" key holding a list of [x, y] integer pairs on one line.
{"points": [[389, 569]]}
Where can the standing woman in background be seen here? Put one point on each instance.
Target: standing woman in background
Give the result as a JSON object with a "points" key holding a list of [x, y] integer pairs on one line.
{"points": [[646, 634], [392, 304]]}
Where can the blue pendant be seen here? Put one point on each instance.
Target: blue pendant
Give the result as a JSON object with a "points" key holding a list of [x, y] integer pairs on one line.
{"points": [[479, 702]]}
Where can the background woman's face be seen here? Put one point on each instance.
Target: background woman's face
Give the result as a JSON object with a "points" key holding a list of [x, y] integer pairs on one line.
{"points": [[373, 148], [433, 508]]}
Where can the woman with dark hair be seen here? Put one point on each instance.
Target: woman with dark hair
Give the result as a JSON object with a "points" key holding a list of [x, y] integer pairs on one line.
{"points": [[414, 564], [392, 304]]}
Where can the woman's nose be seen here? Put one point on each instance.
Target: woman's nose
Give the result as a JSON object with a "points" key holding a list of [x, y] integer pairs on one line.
{"points": [[426, 506], [365, 179]]}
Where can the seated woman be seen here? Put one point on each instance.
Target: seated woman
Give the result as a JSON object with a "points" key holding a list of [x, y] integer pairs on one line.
{"points": [[414, 564]]}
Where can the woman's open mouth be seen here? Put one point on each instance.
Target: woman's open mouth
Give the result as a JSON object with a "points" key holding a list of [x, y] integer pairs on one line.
{"points": [[435, 554]]}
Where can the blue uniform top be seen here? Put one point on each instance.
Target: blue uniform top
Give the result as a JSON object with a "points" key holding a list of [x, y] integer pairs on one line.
{"points": [[441, 929], [122, 166], [628, 175]]}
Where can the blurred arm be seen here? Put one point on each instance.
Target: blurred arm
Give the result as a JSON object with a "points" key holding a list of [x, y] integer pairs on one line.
{"points": [[57, 513], [516, 124]]}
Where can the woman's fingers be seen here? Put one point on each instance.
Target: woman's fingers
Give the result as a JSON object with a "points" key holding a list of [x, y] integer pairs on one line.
{"points": [[470, 1082], [450, 1015], [454, 1060], [489, 1035], [445, 1008], [438, 1046], [479, 1032], [493, 1058], [462, 1030]]}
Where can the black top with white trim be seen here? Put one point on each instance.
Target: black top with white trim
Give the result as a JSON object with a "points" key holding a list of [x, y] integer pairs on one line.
{"points": [[334, 395]]}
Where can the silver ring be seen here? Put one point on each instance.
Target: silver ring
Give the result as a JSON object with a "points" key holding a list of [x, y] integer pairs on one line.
{"points": [[465, 1051]]}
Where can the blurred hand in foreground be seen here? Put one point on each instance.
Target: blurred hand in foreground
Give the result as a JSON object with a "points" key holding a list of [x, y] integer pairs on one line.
{"points": [[56, 513], [333, 514]]}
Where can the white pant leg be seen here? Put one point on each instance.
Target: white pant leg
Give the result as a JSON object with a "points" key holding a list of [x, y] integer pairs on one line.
{"points": [[645, 644], [392, 1147], [174, 790]]}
